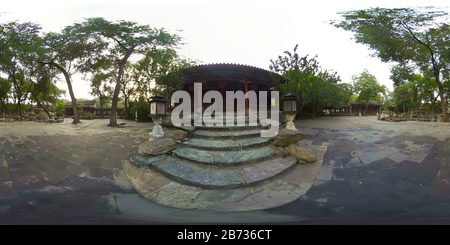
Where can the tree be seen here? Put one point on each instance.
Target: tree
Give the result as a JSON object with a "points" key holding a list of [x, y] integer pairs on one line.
{"points": [[125, 38], [428, 90], [401, 73], [402, 96], [60, 107], [404, 35], [367, 87], [165, 68], [304, 75], [5, 87], [331, 94], [101, 89], [18, 44], [71, 49], [132, 77], [43, 89]]}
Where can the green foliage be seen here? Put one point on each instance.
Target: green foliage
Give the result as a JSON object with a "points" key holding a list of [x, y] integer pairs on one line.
{"points": [[60, 107], [10, 108], [80, 109], [5, 87], [87, 115], [367, 87], [313, 86], [394, 34], [407, 36], [101, 89], [123, 39], [143, 109]]}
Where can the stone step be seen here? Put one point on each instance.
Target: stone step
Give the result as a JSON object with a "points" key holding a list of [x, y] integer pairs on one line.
{"points": [[226, 128], [220, 135], [206, 177], [225, 157], [226, 145]]}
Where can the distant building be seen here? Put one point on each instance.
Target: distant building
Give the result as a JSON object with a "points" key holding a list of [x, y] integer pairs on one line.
{"points": [[88, 106], [107, 112], [354, 108]]}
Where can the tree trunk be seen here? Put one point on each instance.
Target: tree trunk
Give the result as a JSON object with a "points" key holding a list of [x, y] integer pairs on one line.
{"points": [[441, 94], [39, 104], [444, 109], [403, 107], [19, 108], [432, 109], [72, 96], [112, 120], [126, 108], [101, 109], [3, 107], [367, 105]]}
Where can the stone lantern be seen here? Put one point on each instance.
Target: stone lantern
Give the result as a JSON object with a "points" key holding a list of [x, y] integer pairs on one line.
{"points": [[157, 112], [289, 103]]}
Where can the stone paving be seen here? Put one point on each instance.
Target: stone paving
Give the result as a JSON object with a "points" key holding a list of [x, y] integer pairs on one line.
{"points": [[379, 169], [371, 169]]}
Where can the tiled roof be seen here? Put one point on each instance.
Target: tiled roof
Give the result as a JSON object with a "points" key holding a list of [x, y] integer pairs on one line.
{"points": [[87, 103], [228, 71], [226, 65], [363, 102]]}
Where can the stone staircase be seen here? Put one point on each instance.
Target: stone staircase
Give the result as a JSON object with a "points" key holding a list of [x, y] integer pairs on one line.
{"points": [[223, 157]]}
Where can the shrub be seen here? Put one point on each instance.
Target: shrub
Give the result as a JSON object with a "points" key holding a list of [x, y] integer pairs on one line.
{"points": [[88, 115], [60, 108], [143, 109]]}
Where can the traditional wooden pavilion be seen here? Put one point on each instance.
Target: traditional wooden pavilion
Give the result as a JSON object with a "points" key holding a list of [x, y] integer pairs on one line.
{"points": [[229, 77], [107, 112], [354, 108], [88, 106]]}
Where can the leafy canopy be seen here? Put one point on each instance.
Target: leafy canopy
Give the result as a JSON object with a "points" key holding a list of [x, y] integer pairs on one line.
{"points": [[305, 78], [367, 87]]}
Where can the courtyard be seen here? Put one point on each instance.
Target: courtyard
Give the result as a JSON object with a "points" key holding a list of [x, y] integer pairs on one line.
{"points": [[371, 170]]}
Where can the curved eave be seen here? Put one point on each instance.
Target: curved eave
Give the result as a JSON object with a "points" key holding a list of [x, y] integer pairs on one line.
{"points": [[219, 72]]}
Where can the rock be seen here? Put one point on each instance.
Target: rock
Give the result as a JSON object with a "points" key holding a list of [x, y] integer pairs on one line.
{"points": [[155, 147], [302, 152], [145, 161], [9, 120], [280, 152], [287, 137], [175, 134]]}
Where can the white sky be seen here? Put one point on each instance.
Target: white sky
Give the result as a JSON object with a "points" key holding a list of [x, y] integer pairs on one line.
{"points": [[242, 32]]}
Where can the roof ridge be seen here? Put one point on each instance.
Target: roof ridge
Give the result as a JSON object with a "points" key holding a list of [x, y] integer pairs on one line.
{"points": [[227, 64]]}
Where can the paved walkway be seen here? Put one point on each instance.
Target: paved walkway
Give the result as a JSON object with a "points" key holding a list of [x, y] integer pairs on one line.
{"points": [[61, 173]]}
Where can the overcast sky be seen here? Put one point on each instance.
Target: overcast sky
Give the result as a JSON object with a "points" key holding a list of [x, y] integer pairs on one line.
{"points": [[242, 32]]}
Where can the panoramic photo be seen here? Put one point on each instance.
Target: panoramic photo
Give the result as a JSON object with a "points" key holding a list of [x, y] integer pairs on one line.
{"points": [[224, 112]]}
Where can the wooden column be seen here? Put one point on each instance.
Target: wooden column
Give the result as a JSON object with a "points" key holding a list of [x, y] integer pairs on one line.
{"points": [[246, 90]]}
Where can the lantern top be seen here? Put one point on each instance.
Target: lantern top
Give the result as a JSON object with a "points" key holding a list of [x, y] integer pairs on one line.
{"points": [[289, 96], [158, 98]]}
